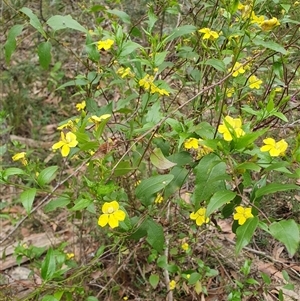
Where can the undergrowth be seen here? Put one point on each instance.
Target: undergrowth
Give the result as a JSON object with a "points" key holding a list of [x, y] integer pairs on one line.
{"points": [[169, 128]]}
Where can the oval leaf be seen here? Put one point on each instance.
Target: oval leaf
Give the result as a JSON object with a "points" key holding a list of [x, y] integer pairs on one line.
{"points": [[153, 280], [287, 232], [34, 21], [219, 199], [47, 175], [48, 265], [10, 44], [27, 198], [244, 233], [82, 204], [62, 22], [44, 53], [158, 160], [148, 187], [274, 187]]}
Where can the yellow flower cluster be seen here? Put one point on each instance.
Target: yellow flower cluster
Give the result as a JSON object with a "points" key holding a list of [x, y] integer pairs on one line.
{"points": [[193, 143], [20, 157], [237, 69], [159, 198], [148, 85], [231, 127], [106, 44], [97, 120], [265, 25], [81, 106], [209, 34], [274, 148], [125, 72]]}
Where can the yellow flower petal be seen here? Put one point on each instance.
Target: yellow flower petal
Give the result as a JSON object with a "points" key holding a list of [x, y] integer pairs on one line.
{"points": [[103, 220], [65, 150]]}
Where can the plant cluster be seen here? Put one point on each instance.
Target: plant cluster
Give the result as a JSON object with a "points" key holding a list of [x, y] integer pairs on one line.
{"points": [[201, 108]]}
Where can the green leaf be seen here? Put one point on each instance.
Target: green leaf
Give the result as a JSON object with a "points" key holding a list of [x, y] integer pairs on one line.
{"points": [[34, 21], [160, 57], [60, 202], [50, 298], [248, 139], [48, 265], [269, 44], [207, 172], [154, 280], [12, 171], [10, 44], [155, 235], [122, 15], [280, 116], [287, 232], [123, 168], [180, 31], [81, 204], [244, 233], [91, 298], [219, 199], [180, 175], [27, 198], [75, 82], [62, 22], [128, 47], [148, 187], [248, 165], [47, 175], [217, 64], [274, 187], [44, 53], [159, 160]]}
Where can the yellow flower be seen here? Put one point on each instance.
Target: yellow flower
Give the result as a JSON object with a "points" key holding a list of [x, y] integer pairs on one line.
{"points": [[20, 157], [69, 125], [70, 255], [96, 120], [242, 214], [125, 72], [203, 150], [237, 69], [185, 246], [254, 82], [111, 215], [81, 106], [146, 81], [191, 143], [229, 92], [199, 216], [258, 20], [106, 44], [67, 141], [274, 148], [188, 276], [159, 198], [209, 34], [172, 285], [235, 127], [269, 24]]}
